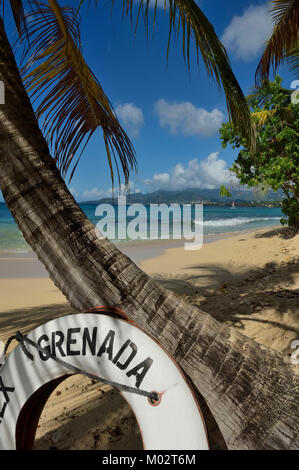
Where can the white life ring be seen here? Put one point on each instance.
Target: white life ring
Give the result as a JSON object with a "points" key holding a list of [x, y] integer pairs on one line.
{"points": [[108, 347]]}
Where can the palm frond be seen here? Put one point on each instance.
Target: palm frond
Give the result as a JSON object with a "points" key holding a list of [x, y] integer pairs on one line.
{"points": [[18, 11], [293, 60], [261, 95], [187, 18], [264, 107], [71, 103], [17, 8], [284, 38], [262, 117]]}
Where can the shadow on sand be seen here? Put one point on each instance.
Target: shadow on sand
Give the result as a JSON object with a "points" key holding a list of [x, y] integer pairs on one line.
{"points": [[240, 295]]}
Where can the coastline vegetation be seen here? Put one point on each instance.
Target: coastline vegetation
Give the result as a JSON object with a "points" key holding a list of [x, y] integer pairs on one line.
{"points": [[275, 162]]}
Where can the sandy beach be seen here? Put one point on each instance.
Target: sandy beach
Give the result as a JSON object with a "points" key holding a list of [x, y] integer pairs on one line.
{"points": [[250, 281]]}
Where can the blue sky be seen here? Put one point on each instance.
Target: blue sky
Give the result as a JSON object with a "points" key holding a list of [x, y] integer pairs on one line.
{"points": [[171, 115]]}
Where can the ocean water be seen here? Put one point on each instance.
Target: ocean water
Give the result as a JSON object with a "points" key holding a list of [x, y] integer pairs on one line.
{"points": [[217, 220]]}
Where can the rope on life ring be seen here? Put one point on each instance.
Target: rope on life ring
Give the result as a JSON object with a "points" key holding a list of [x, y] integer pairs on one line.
{"points": [[109, 349]]}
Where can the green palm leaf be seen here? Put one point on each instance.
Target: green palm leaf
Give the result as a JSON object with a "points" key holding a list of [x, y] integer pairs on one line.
{"points": [[261, 94], [71, 100], [71, 103], [284, 39], [187, 18], [18, 14], [293, 60], [18, 11]]}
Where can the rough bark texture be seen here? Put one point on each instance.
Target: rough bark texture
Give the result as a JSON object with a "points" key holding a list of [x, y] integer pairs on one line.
{"points": [[250, 390]]}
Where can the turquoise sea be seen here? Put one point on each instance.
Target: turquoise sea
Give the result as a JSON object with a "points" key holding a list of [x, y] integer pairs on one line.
{"points": [[216, 220]]}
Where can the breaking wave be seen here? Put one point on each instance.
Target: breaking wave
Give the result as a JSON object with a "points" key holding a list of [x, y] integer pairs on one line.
{"points": [[235, 221]]}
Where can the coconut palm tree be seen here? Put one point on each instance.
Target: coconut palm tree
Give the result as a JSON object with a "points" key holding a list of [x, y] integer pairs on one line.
{"points": [[250, 390], [283, 43]]}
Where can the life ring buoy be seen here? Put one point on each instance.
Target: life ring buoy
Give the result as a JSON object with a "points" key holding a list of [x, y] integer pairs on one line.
{"points": [[109, 347]]}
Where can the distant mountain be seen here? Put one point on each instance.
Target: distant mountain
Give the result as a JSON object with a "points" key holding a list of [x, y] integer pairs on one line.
{"points": [[196, 195]]}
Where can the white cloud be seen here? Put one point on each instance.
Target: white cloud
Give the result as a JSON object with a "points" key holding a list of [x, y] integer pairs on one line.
{"points": [[184, 118], [131, 118], [208, 173], [96, 193], [158, 179], [246, 35]]}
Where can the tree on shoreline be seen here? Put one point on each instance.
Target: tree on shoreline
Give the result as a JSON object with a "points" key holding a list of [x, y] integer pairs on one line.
{"points": [[250, 390], [275, 162]]}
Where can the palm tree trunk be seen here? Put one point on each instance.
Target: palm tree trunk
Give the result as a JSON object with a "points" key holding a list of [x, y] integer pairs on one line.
{"points": [[249, 389]]}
